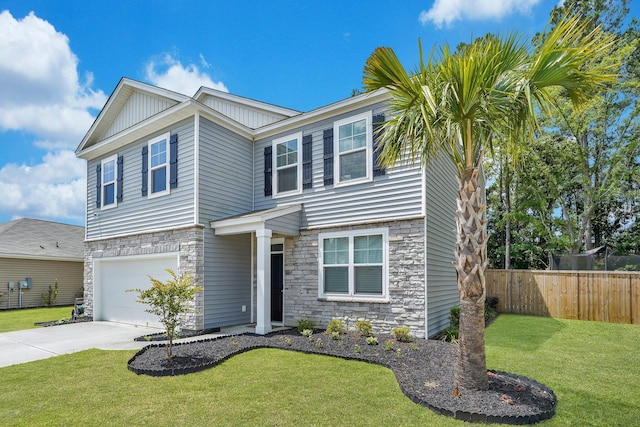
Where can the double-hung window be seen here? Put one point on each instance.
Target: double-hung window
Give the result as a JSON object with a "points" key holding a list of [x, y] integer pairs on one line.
{"points": [[159, 166], [354, 264], [353, 145], [109, 178], [288, 173]]}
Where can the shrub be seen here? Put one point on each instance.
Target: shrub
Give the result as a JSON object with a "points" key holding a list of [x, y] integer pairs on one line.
{"points": [[388, 345], [372, 340], [454, 317], [336, 325], [169, 301], [357, 349], [450, 334], [49, 298], [307, 332], [319, 343], [306, 324], [402, 334], [364, 328], [335, 335]]}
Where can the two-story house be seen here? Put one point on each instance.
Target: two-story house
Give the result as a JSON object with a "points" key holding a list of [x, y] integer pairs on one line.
{"points": [[280, 215]]}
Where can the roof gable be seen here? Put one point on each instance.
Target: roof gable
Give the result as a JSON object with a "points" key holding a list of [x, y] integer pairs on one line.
{"points": [[38, 239], [131, 102], [251, 113]]}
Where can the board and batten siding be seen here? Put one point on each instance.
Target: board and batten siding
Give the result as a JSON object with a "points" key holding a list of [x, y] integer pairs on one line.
{"points": [[395, 195], [440, 224], [137, 213], [43, 273], [249, 117], [225, 188], [139, 106]]}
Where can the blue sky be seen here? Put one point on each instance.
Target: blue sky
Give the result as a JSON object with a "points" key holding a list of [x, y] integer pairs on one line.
{"points": [[59, 62]]}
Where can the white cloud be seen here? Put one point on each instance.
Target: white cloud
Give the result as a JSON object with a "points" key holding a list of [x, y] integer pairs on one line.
{"points": [[445, 12], [53, 189], [41, 91], [43, 98], [169, 73]]}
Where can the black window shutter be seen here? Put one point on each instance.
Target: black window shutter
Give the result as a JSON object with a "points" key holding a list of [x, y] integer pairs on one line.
{"points": [[377, 129], [327, 136], [267, 171], [145, 169], [173, 161], [307, 176], [120, 177], [98, 184]]}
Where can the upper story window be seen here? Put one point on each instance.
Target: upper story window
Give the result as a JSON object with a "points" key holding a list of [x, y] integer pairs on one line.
{"points": [[353, 264], [353, 145], [159, 166], [109, 177], [288, 173]]}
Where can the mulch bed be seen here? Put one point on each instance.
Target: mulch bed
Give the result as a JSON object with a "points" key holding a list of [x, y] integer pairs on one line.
{"points": [[424, 370], [80, 319]]}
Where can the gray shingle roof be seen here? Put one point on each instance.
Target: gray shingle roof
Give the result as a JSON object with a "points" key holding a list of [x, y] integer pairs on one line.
{"points": [[35, 238]]}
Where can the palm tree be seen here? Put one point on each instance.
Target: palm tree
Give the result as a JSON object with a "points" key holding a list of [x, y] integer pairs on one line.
{"points": [[459, 102]]}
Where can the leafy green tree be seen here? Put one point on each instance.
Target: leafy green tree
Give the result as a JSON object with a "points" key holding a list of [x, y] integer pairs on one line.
{"points": [[457, 103], [580, 181], [170, 301]]}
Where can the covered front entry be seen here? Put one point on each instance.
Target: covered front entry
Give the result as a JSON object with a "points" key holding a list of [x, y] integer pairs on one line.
{"points": [[282, 221]]}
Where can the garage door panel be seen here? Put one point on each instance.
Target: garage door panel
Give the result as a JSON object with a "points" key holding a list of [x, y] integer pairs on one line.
{"points": [[116, 276]]}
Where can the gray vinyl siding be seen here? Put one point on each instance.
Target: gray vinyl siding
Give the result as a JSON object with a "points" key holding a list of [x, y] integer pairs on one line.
{"points": [[395, 195], [226, 173], [442, 288], [286, 224], [225, 189], [43, 273], [138, 107], [227, 262], [137, 213]]}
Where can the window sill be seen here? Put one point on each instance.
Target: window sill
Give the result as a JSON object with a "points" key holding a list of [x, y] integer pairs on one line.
{"points": [[372, 300], [352, 182], [158, 194]]}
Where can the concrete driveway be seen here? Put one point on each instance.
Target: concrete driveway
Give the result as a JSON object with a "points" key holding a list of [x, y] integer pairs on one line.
{"points": [[41, 343]]}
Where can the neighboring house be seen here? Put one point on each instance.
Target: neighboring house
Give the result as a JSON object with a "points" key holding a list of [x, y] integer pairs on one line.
{"points": [[280, 215], [44, 252]]}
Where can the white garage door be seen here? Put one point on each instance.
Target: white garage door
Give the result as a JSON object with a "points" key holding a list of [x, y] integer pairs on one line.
{"points": [[112, 278]]}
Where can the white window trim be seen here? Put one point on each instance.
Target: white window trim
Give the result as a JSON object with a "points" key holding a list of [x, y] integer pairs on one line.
{"points": [[274, 167], [150, 193], [368, 150], [351, 296], [113, 159]]}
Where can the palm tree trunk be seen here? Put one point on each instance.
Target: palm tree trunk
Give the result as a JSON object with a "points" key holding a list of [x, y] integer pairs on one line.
{"points": [[471, 367]]}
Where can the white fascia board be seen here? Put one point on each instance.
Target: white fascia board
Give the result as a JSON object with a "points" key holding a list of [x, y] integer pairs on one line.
{"points": [[132, 85], [160, 121], [321, 113], [206, 91]]}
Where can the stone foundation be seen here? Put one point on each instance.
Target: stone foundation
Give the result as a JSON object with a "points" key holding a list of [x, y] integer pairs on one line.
{"points": [[406, 306], [188, 242]]}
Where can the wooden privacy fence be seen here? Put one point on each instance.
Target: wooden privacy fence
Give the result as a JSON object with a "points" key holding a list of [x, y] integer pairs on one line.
{"points": [[604, 296]]}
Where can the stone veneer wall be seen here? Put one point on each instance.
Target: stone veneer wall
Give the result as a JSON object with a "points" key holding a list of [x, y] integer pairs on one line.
{"points": [[406, 306], [189, 242]]}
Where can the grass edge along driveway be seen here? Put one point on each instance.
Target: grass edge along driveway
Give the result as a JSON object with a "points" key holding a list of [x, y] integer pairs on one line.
{"points": [[592, 367]]}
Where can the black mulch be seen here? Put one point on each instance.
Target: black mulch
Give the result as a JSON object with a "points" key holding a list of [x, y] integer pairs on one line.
{"points": [[424, 370]]}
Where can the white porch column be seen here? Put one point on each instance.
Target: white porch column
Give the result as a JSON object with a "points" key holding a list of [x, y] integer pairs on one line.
{"points": [[263, 324]]}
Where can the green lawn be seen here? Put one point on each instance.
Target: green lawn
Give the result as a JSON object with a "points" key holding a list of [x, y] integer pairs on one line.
{"points": [[16, 320], [593, 368]]}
